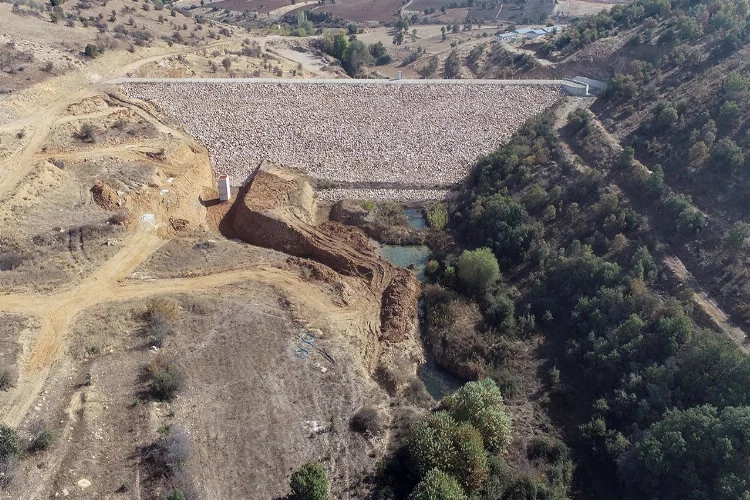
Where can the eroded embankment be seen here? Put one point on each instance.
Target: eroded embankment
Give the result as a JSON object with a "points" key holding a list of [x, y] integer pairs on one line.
{"points": [[276, 212]]}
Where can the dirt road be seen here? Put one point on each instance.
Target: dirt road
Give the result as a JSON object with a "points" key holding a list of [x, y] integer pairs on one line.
{"points": [[56, 312]]}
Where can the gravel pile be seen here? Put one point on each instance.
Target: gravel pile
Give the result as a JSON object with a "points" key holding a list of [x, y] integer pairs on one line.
{"points": [[416, 134], [409, 195]]}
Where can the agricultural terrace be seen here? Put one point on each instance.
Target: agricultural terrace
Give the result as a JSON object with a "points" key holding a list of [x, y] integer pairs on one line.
{"points": [[418, 135]]}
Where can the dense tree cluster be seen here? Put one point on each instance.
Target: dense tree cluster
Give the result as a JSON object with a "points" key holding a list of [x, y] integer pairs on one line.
{"points": [[352, 53], [634, 370]]}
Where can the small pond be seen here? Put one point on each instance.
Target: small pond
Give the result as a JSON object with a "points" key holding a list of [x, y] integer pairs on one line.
{"points": [[438, 381], [416, 218], [406, 256]]}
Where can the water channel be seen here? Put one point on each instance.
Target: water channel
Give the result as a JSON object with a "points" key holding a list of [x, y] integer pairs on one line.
{"points": [[436, 379]]}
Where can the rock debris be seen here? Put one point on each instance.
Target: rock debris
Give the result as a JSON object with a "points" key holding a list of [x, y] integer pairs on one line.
{"points": [[419, 135]]}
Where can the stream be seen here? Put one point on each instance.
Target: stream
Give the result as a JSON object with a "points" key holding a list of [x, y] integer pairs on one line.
{"points": [[438, 381]]}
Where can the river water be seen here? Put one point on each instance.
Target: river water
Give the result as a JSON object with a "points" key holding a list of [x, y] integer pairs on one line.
{"points": [[437, 380]]}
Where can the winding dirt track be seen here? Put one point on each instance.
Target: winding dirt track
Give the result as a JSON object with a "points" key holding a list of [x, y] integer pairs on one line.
{"points": [[56, 312]]}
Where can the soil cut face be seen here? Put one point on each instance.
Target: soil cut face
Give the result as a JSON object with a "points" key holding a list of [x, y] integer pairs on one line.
{"points": [[277, 212]]}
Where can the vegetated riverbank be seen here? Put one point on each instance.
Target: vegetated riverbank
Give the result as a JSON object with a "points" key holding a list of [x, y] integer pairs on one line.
{"points": [[402, 235]]}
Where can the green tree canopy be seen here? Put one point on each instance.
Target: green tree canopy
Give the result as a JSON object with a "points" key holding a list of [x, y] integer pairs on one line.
{"points": [[478, 268], [310, 482], [699, 452], [437, 485], [481, 404], [438, 441]]}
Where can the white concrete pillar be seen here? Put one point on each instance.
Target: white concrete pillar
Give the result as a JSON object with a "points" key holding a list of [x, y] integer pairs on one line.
{"points": [[223, 182]]}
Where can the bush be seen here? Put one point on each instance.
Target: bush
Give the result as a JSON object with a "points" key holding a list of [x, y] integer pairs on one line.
{"points": [[9, 442], [478, 269], [437, 216], [437, 485], [367, 420], [166, 379], [10, 260], [481, 404], [42, 439], [391, 214], [6, 379], [175, 495], [168, 454], [91, 51], [87, 133], [438, 441], [310, 482]]}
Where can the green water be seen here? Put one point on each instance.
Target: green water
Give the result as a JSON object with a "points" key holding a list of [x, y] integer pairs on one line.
{"points": [[416, 218], [416, 256], [438, 381]]}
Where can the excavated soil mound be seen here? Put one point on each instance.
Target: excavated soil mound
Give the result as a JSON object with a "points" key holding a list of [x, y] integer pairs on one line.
{"points": [[105, 196], [276, 212]]}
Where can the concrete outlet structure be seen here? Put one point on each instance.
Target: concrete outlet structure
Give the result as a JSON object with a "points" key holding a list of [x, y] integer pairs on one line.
{"points": [[224, 192]]}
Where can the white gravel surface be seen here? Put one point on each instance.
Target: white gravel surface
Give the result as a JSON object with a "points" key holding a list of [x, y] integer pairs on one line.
{"points": [[384, 194], [426, 135]]}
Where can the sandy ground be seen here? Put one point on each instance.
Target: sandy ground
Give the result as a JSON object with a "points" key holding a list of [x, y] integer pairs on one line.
{"points": [[74, 340]]}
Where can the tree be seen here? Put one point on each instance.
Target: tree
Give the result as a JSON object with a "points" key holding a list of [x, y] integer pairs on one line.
{"points": [[437, 485], [355, 56], [429, 68], [738, 236], [452, 65], [727, 155], [481, 404], [478, 268], [698, 452], [91, 51], [9, 442], [310, 482], [438, 441], [627, 156], [667, 117], [698, 153], [378, 50], [655, 183], [227, 63], [340, 43]]}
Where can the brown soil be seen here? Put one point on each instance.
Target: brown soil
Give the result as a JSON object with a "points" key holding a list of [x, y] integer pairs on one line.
{"points": [[105, 196], [78, 350], [276, 212]]}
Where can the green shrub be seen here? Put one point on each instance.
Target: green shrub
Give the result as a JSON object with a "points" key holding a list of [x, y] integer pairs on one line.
{"points": [[478, 268], [437, 485], [91, 51], [9, 442], [481, 404], [310, 482], [42, 441], [438, 441], [166, 379], [437, 216], [580, 118], [175, 495]]}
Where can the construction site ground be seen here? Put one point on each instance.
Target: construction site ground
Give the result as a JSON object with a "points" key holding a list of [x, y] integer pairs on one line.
{"points": [[80, 268]]}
